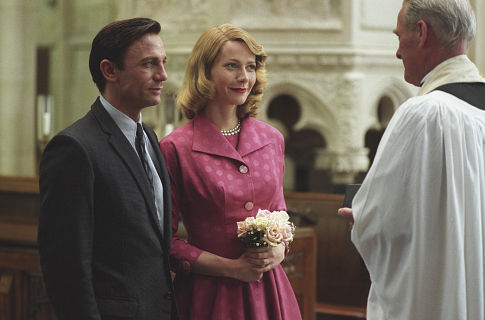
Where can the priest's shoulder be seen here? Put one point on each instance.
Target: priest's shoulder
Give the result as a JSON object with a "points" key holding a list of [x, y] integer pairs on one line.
{"points": [[433, 102]]}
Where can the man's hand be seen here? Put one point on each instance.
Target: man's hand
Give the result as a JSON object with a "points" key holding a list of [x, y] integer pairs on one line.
{"points": [[347, 213]]}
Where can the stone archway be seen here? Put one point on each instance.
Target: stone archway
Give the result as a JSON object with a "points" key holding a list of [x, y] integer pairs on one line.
{"points": [[385, 111], [298, 115], [315, 113]]}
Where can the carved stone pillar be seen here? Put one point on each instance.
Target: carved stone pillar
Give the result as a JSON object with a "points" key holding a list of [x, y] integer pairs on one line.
{"points": [[345, 155], [478, 45], [17, 87]]}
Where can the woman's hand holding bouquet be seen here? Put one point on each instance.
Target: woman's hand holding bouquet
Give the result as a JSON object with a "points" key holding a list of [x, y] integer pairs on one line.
{"points": [[266, 237]]}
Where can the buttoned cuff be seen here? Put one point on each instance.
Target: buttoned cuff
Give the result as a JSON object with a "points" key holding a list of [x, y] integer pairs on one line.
{"points": [[185, 264]]}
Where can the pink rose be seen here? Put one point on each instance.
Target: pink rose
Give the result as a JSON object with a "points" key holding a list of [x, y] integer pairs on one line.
{"points": [[288, 234], [263, 213]]}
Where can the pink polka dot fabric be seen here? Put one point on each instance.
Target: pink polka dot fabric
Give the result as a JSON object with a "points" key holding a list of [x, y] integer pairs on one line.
{"points": [[217, 181]]}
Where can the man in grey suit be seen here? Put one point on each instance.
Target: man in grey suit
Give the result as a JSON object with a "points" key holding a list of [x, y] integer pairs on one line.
{"points": [[105, 222]]}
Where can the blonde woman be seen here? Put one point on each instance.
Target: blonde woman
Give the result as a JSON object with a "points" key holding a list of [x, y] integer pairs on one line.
{"points": [[224, 165]]}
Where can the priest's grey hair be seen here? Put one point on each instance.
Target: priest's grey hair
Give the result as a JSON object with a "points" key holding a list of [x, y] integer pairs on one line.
{"points": [[452, 21]]}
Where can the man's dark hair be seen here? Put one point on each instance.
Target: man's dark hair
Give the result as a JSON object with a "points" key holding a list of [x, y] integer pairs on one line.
{"points": [[112, 42]]}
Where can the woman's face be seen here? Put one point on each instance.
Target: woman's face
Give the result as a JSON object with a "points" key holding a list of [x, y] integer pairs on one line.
{"points": [[233, 74]]}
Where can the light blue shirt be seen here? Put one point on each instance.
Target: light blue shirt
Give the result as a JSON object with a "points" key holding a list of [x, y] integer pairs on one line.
{"points": [[128, 127]]}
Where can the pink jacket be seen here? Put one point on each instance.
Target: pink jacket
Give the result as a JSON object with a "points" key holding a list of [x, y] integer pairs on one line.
{"points": [[214, 185]]}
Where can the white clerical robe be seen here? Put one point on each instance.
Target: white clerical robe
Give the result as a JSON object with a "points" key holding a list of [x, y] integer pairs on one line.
{"points": [[420, 213]]}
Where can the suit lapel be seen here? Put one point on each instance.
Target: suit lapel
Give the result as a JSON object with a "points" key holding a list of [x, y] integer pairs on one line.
{"points": [[128, 155]]}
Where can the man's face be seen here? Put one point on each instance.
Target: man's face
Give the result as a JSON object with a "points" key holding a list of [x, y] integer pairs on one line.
{"points": [[140, 81], [408, 50]]}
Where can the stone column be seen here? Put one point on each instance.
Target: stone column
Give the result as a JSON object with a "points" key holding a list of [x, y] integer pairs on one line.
{"points": [[346, 155], [478, 45], [17, 88]]}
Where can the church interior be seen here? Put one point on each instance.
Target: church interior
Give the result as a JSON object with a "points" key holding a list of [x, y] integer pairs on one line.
{"points": [[334, 82]]}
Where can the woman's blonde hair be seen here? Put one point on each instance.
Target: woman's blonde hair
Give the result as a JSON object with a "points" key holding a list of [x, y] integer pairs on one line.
{"points": [[197, 89]]}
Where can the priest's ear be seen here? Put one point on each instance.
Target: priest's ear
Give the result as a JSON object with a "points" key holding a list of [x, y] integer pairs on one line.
{"points": [[423, 33], [109, 70]]}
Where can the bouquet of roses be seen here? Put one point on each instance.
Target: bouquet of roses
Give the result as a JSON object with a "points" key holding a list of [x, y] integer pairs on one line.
{"points": [[266, 229]]}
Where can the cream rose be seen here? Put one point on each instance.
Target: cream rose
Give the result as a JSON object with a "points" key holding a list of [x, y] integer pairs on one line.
{"points": [[273, 237], [266, 229]]}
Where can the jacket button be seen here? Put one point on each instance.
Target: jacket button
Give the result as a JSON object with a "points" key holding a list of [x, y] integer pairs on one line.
{"points": [[243, 169], [248, 205], [168, 295]]}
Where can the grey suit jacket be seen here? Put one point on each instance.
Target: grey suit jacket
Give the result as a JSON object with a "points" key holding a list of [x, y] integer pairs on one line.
{"points": [[102, 252]]}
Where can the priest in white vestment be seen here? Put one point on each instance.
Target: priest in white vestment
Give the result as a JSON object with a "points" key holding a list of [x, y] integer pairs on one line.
{"points": [[419, 216]]}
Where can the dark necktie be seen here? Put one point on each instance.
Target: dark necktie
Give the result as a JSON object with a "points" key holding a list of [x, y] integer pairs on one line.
{"points": [[142, 152]]}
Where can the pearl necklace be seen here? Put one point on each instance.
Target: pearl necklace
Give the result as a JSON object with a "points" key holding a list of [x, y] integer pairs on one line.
{"points": [[232, 131]]}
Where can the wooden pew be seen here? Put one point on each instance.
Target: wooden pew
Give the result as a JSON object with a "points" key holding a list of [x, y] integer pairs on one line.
{"points": [[300, 267], [22, 293], [342, 279]]}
